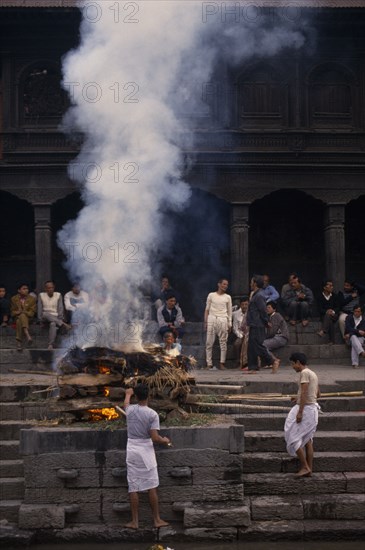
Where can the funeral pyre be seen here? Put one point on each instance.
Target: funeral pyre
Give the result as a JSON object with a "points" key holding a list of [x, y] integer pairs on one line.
{"points": [[92, 381]]}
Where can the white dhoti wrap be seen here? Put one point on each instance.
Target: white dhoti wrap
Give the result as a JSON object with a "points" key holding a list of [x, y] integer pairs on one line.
{"points": [[297, 434], [141, 465]]}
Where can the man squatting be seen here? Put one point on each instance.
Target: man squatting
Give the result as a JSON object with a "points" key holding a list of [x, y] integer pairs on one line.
{"points": [[142, 427], [302, 420]]}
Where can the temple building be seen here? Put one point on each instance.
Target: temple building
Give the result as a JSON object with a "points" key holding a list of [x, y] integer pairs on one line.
{"points": [[279, 150]]}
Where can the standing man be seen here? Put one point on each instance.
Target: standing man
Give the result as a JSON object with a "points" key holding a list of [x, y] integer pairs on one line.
{"points": [[142, 426], [240, 330], [302, 420], [218, 322], [50, 310], [257, 321]]}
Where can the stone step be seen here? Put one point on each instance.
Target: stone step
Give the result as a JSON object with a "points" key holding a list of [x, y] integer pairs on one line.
{"points": [[10, 429], [9, 510], [11, 488], [29, 359], [9, 450], [339, 421], [308, 507], [11, 468], [318, 483], [308, 530], [15, 392], [273, 441], [329, 461], [25, 411]]}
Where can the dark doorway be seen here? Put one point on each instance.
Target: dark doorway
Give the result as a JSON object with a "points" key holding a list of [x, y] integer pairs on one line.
{"points": [[354, 239], [197, 250], [17, 249], [286, 234]]}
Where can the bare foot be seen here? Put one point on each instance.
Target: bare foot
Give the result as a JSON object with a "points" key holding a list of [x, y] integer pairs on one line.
{"points": [[292, 322], [131, 525], [221, 366], [320, 333], [305, 322], [161, 523], [276, 365], [304, 472]]}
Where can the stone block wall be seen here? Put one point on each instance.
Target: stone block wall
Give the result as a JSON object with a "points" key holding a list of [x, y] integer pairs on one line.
{"points": [[78, 477]]}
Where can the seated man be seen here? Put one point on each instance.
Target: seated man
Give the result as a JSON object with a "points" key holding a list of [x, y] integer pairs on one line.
{"points": [[4, 307], [23, 309], [348, 298], [75, 301], [159, 298], [355, 335], [271, 294], [50, 310], [240, 330], [277, 334], [170, 347], [170, 317], [327, 303], [297, 301]]}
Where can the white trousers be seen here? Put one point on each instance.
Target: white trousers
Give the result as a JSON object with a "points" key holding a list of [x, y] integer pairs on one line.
{"points": [[341, 323], [356, 348], [216, 326]]}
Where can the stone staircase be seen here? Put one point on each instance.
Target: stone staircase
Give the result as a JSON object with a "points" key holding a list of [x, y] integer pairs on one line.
{"points": [[332, 499]]}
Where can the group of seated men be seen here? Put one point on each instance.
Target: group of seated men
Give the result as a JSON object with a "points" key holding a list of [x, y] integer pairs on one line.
{"points": [[49, 307]]}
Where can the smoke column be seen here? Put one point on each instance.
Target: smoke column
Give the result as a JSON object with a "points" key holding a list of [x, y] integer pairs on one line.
{"points": [[133, 74]]}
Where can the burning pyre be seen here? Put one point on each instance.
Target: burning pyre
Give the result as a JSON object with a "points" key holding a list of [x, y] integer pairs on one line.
{"points": [[94, 377]]}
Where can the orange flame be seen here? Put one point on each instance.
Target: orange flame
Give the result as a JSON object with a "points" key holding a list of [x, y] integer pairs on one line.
{"points": [[106, 392], [103, 414], [104, 370]]}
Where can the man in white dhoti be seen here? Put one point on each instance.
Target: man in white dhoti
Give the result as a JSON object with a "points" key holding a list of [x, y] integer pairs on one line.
{"points": [[302, 420], [142, 425]]}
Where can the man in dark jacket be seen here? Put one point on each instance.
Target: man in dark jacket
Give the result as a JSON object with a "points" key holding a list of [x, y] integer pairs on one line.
{"points": [[257, 321], [355, 334], [328, 308]]}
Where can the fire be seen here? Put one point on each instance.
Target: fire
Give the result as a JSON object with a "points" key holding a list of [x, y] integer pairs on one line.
{"points": [[103, 414], [104, 370], [106, 392]]}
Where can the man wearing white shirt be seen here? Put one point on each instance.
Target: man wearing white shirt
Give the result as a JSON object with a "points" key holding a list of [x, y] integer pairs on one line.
{"points": [[218, 322], [240, 329], [50, 309], [76, 300]]}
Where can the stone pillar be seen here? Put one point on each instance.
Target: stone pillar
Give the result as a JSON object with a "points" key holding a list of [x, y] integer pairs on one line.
{"points": [[239, 250], [334, 234], [43, 244]]}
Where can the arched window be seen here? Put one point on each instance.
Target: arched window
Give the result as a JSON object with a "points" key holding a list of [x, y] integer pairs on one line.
{"points": [[42, 101], [262, 98], [331, 96]]}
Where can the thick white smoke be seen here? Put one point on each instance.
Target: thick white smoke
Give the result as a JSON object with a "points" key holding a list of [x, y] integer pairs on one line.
{"points": [[139, 65]]}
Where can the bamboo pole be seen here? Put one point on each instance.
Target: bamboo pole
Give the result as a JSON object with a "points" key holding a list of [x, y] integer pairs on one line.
{"points": [[240, 407]]}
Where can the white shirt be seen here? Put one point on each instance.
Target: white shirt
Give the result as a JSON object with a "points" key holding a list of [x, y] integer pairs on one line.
{"points": [[220, 305], [237, 322], [50, 303], [75, 301]]}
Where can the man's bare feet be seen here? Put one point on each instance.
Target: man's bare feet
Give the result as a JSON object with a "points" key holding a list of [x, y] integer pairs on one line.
{"points": [[221, 366], [320, 333], [305, 322], [276, 365], [131, 525], [304, 472], [161, 523]]}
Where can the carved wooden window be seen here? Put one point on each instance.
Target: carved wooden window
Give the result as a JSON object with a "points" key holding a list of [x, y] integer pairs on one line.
{"points": [[42, 100], [261, 99], [331, 97]]}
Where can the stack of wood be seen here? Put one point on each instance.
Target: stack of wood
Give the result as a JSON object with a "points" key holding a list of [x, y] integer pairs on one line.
{"points": [[94, 379]]}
